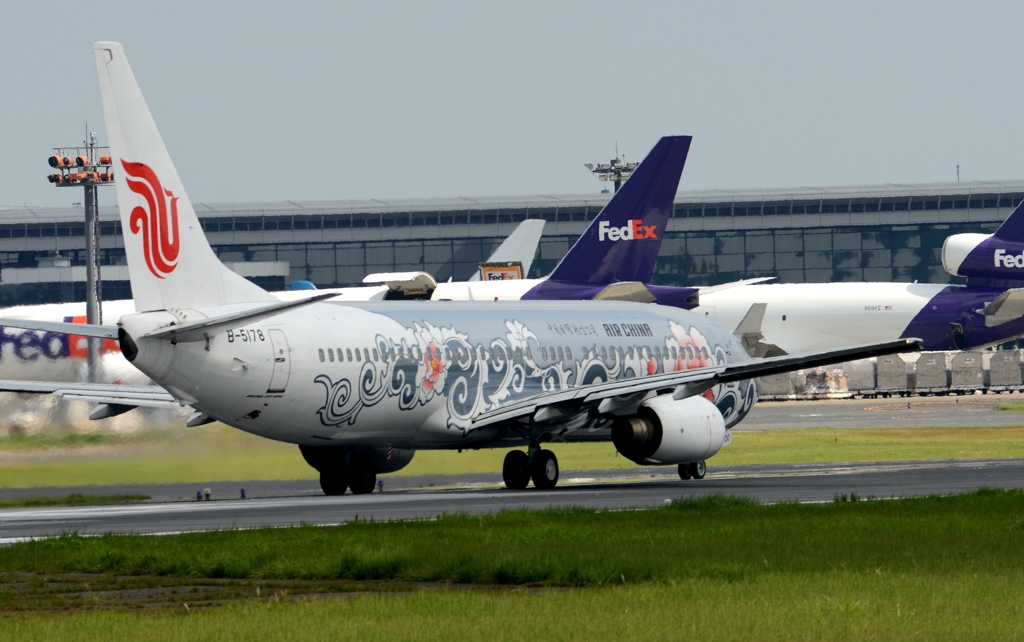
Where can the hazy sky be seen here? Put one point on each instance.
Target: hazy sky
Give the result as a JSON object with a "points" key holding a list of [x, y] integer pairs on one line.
{"points": [[307, 101]]}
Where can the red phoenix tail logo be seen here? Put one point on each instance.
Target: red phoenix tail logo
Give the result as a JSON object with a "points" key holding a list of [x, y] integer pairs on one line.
{"points": [[159, 225]]}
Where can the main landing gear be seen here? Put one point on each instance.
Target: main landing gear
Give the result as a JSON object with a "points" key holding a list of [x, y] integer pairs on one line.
{"points": [[539, 465], [352, 467], [358, 474], [696, 470]]}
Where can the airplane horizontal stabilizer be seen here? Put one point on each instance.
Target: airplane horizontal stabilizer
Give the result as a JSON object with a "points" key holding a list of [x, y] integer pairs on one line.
{"points": [[199, 330], [109, 393], [78, 329]]}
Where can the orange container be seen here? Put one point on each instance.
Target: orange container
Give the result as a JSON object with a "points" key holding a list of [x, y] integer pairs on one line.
{"points": [[55, 161], [105, 160], [82, 161]]}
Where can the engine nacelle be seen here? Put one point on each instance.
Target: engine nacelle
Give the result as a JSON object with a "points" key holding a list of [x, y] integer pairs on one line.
{"points": [[957, 248], [666, 431], [983, 256]]}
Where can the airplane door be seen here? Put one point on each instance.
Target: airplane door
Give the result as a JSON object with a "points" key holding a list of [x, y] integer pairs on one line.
{"points": [[282, 361]]}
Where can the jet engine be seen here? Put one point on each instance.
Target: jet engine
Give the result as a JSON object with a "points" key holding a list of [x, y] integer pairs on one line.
{"points": [[956, 248], [666, 431]]}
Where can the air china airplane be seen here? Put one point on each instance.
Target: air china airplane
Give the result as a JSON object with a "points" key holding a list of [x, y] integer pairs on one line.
{"points": [[360, 386]]}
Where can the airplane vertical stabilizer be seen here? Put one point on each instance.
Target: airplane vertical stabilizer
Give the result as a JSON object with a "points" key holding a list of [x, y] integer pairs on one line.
{"points": [[170, 263], [1012, 228], [622, 243]]}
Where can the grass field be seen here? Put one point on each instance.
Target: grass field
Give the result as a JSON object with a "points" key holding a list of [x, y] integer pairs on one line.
{"points": [[218, 453], [928, 568], [1017, 406], [76, 499]]}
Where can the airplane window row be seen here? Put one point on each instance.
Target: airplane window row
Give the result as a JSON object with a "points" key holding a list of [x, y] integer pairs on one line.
{"points": [[499, 354], [415, 354], [630, 352]]}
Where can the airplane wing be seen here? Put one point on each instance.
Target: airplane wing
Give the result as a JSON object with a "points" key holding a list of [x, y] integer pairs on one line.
{"points": [[1008, 306], [711, 289], [609, 396], [110, 398]]}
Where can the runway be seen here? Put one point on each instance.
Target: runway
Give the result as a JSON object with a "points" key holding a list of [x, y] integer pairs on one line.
{"points": [[911, 412], [592, 489]]}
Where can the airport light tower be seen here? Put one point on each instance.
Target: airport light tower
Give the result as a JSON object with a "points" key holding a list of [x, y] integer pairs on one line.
{"points": [[89, 168], [616, 171]]}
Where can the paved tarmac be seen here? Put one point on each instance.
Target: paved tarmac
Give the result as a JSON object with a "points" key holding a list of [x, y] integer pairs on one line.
{"points": [[911, 412], [594, 489]]}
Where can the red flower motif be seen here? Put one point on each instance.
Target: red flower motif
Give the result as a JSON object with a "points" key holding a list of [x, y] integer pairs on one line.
{"points": [[434, 364], [652, 367]]}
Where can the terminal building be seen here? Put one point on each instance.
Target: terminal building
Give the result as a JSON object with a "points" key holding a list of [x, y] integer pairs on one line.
{"points": [[866, 233]]}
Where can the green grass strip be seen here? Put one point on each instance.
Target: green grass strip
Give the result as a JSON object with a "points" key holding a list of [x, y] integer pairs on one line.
{"points": [[713, 538], [75, 499], [838, 605]]}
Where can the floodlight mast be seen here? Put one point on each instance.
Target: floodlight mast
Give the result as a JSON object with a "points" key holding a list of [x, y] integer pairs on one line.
{"points": [[87, 167], [616, 171]]}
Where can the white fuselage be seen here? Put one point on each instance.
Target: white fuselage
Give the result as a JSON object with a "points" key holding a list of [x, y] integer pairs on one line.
{"points": [[415, 374], [806, 317]]}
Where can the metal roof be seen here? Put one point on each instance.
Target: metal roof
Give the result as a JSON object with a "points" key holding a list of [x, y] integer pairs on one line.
{"points": [[29, 214]]}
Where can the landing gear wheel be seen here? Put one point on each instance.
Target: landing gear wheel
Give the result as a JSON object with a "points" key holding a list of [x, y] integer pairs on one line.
{"points": [[516, 470], [544, 469], [684, 471], [361, 476], [698, 469], [333, 482]]}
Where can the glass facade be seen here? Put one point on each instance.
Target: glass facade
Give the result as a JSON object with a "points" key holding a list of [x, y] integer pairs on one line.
{"points": [[346, 263], [882, 233]]}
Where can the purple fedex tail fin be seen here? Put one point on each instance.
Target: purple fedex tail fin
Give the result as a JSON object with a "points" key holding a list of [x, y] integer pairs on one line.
{"points": [[622, 243], [1012, 228]]}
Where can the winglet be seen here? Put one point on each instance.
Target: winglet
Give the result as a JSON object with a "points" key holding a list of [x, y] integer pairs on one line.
{"points": [[622, 243]]}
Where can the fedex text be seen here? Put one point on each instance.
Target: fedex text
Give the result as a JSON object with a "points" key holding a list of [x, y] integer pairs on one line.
{"points": [[632, 230]]}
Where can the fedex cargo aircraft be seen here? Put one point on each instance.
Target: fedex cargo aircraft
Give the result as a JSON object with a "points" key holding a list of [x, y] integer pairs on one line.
{"points": [[789, 318], [360, 386]]}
